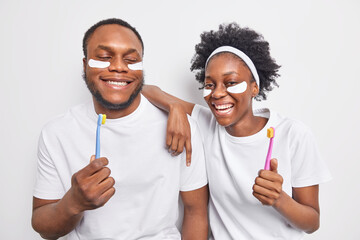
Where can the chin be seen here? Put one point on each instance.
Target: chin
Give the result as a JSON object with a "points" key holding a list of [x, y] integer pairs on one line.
{"points": [[225, 122]]}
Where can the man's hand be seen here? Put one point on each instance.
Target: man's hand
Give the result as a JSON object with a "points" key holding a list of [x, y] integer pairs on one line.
{"points": [[178, 133], [92, 186], [268, 185]]}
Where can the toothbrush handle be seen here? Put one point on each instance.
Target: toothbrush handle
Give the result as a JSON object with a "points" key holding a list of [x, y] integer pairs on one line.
{"points": [[268, 156], [97, 150]]}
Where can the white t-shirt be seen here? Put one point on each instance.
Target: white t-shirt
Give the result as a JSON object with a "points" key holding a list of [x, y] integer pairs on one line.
{"points": [[147, 178], [233, 164]]}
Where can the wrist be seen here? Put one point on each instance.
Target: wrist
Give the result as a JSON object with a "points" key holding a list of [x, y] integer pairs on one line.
{"points": [[175, 106], [70, 205], [281, 201]]}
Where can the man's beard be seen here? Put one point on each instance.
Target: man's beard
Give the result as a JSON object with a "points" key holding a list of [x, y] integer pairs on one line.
{"points": [[108, 105]]}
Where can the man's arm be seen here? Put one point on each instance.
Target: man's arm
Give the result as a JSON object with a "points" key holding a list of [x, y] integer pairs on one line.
{"points": [[195, 222], [91, 188], [178, 129], [53, 218]]}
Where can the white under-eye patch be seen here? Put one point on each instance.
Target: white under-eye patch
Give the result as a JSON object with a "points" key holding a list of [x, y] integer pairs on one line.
{"points": [[238, 88], [98, 64], [136, 66], [206, 92]]}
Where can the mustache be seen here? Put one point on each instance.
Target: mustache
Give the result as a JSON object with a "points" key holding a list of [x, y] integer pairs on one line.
{"points": [[109, 105]]}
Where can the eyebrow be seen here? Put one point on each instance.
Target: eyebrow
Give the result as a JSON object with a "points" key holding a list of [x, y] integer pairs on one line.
{"points": [[229, 73], [106, 48], [109, 49], [225, 74]]}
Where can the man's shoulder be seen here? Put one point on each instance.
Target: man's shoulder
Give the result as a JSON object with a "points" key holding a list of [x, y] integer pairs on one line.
{"points": [[61, 121], [193, 124], [152, 112]]}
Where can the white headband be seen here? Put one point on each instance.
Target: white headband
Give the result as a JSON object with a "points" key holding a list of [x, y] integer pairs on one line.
{"points": [[241, 55]]}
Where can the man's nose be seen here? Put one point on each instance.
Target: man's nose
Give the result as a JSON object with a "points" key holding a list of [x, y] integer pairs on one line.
{"points": [[119, 65]]}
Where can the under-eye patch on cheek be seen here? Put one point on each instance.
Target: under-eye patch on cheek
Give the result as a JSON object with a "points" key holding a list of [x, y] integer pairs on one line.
{"points": [[98, 64], [136, 66], [206, 92], [238, 88]]}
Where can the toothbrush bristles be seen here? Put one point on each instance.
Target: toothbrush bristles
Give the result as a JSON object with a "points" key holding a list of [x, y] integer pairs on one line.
{"points": [[270, 132]]}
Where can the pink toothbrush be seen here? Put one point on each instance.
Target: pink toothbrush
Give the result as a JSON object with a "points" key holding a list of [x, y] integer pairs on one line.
{"points": [[270, 134]]}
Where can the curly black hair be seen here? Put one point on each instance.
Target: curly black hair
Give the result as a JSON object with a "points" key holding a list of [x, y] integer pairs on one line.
{"points": [[244, 39], [117, 21]]}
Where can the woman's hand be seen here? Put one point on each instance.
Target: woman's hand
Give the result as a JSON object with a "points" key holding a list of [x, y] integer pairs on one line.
{"points": [[178, 132], [268, 185]]}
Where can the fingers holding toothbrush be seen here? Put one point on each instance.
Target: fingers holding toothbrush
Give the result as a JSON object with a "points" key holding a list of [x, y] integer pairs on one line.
{"points": [[92, 186], [268, 185]]}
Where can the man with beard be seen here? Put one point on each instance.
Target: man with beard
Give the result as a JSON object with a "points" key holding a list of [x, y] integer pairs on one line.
{"points": [[133, 192]]}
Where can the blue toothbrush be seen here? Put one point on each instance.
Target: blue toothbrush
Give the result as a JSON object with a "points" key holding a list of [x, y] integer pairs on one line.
{"points": [[101, 120]]}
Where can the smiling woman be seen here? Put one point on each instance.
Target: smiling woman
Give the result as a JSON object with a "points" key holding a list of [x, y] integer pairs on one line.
{"points": [[234, 67]]}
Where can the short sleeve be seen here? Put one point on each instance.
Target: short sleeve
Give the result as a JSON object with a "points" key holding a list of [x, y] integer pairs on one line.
{"points": [[48, 184], [194, 176], [308, 167], [205, 120]]}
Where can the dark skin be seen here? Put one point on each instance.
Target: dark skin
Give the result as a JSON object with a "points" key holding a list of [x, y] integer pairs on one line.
{"points": [[225, 70], [239, 121], [126, 50], [92, 187]]}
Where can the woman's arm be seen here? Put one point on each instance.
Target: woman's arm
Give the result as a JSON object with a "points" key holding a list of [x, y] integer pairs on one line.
{"points": [[301, 210], [178, 133], [164, 100]]}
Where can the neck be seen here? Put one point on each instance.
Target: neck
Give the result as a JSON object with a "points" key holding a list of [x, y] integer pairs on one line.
{"points": [[118, 113], [247, 125]]}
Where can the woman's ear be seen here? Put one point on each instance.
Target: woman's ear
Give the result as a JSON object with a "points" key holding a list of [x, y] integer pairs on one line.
{"points": [[255, 89]]}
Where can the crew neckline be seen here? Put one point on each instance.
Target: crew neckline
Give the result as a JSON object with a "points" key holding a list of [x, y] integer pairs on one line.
{"points": [[262, 112], [128, 118]]}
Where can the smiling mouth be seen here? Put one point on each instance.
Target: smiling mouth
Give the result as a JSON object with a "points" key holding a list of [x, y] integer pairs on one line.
{"points": [[117, 83], [223, 108]]}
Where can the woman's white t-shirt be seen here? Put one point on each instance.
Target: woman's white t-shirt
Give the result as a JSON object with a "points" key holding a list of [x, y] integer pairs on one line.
{"points": [[233, 164]]}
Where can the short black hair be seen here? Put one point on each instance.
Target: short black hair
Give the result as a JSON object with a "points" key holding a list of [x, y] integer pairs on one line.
{"points": [[244, 39], [117, 21]]}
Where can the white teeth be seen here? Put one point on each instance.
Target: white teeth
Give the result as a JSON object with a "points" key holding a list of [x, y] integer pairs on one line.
{"points": [[118, 83], [222, 107]]}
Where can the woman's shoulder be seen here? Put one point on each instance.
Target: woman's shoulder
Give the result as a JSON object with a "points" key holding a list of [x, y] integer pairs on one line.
{"points": [[293, 127], [204, 118]]}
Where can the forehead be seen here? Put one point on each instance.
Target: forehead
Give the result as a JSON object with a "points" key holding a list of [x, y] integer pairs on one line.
{"points": [[114, 36], [224, 63]]}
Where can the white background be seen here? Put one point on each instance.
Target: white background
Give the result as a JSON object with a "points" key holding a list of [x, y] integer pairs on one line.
{"points": [[316, 42]]}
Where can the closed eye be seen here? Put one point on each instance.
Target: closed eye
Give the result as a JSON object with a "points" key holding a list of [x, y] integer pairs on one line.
{"points": [[104, 58], [130, 60]]}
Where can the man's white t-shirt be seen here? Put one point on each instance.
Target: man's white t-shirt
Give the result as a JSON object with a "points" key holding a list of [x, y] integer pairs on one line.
{"points": [[233, 164], [147, 178]]}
